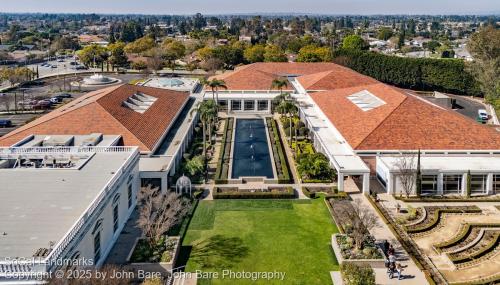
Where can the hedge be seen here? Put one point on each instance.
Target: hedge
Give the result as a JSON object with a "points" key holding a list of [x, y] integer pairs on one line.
{"points": [[289, 194], [284, 176], [464, 232], [426, 74], [487, 249], [221, 174], [308, 193], [447, 199], [435, 219]]}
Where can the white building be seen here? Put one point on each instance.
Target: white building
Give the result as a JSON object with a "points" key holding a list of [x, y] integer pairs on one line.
{"points": [[363, 126], [63, 205]]}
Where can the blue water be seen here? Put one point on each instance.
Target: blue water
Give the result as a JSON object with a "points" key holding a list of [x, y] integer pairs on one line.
{"points": [[251, 150]]}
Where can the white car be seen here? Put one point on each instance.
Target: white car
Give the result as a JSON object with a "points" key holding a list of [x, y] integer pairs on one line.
{"points": [[482, 114]]}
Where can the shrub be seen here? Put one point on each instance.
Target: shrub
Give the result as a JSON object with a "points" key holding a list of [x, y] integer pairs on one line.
{"points": [[446, 75], [353, 274], [289, 193]]}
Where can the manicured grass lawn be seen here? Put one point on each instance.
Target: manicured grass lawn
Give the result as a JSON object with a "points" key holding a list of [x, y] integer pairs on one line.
{"points": [[263, 235]]}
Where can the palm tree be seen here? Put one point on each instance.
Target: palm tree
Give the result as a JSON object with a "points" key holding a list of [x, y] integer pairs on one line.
{"points": [[288, 108], [279, 84], [207, 111], [215, 84]]}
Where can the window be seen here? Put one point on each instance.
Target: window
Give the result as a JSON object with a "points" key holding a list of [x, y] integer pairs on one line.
{"points": [[97, 246], [429, 184], [262, 105], [222, 105], [115, 218], [154, 183], [452, 184], [496, 184], [249, 105], [478, 184], [97, 240], [129, 195], [236, 105]]}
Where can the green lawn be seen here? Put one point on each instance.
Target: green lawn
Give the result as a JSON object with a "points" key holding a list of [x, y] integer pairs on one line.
{"points": [[263, 235]]}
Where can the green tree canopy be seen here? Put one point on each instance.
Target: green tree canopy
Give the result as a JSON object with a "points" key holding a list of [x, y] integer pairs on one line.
{"points": [[274, 54], [354, 42], [140, 45], [254, 53], [93, 53], [312, 53]]}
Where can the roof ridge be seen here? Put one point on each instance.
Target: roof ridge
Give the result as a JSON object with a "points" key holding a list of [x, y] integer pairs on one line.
{"points": [[60, 112], [385, 119], [326, 73], [120, 123]]}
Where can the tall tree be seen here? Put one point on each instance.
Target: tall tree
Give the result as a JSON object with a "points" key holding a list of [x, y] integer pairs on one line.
{"points": [[484, 46]]}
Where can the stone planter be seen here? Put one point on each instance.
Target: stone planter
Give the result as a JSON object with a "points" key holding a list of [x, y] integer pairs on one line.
{"points": [[165, 268], [374, 263]]}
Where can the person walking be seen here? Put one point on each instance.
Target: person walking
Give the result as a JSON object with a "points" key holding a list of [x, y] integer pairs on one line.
{"points": [[399, 270]]}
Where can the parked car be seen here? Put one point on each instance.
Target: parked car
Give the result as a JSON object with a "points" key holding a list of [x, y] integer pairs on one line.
{"points": [[482, 115], [60, 60], [53, 66], [64, 95], [5, 123], [43, 104], [73, 63], [55, 100], [80, 67]]}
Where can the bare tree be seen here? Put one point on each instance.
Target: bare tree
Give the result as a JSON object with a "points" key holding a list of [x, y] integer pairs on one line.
{"points": [[406, 166], [155, 61], [362, 221], [159, 212], [6, 101]]}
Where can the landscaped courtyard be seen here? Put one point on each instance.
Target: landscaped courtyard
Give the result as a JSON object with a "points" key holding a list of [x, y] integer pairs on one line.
{"points": [[263, 236]]}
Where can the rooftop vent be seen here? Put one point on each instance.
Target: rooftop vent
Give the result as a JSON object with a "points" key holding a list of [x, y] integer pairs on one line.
{"points": [[365, 100], [139, 102]]}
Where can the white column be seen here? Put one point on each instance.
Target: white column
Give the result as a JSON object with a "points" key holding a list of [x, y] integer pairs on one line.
{"points": [[440, 184], [464, 184], [340, 182], [229, 105], [390, 183], [269, 102], [366, 183], [489, 184]]}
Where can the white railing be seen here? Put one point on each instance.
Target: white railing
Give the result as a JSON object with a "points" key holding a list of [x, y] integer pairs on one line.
{"points": [[65, 149], [55, 254], [61, 246]]}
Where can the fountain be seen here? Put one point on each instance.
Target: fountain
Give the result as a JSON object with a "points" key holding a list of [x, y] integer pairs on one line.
{"points": [[96, 80]]}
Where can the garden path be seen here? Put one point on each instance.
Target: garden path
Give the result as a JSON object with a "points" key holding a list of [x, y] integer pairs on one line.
{"points": [[382, 232]]}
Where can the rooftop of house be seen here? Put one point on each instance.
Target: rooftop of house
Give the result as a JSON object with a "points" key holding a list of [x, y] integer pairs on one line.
{"points": [[61, 187], [111, 111]]}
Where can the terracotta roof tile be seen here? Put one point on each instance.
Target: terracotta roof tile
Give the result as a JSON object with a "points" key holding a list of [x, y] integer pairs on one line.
{"points": [[102, 112], [404, 122]]}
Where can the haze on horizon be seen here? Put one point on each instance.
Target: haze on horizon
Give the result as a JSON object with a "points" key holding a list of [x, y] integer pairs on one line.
{"points": [[364, 7]]}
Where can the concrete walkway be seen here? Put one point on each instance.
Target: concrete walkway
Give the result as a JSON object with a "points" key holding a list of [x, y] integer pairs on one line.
{"points": [[413, 275], [120, 251]]}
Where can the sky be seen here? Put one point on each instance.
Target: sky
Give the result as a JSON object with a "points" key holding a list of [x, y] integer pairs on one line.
{"points": [[168, 7]]}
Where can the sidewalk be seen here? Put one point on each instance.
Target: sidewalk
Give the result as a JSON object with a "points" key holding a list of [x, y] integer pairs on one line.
{"points": [[413, 275]]}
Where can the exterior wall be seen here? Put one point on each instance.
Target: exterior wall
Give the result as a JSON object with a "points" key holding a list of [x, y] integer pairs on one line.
{"points": [[85, 244]]}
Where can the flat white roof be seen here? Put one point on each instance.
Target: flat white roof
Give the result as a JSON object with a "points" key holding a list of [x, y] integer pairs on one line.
{"points": [[38, 206], [335, 145], [450, 163]]}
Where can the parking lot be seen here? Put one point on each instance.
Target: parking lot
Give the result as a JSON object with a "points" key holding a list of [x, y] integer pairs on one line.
{"points": [[42, 91]]}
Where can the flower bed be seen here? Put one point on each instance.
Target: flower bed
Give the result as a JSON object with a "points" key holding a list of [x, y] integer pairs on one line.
{"points": [[348, 250], [269, 193], [280, 161], [466, 235], [222, 172], [434, 215], [160, 258], [310, 191], [488, 243]]}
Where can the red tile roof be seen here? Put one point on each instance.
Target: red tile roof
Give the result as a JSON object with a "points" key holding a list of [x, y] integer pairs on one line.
{"points": [[405, 122], [102, 111], [259, 76]]}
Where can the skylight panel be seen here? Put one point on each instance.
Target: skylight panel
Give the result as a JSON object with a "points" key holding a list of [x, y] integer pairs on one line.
{"points": [[365, 100]]}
